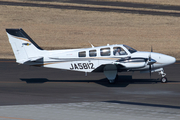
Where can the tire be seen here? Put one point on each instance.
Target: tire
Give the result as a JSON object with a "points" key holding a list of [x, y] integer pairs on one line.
{"points": [[164, 80], [111, 82], [114, 81]]}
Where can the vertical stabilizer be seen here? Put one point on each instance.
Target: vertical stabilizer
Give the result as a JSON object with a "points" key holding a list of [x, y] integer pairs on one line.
{"points": [[23, 46]]}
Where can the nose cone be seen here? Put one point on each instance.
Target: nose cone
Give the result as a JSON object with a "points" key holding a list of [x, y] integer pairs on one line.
{"points": [[167, 60], [171, 60]]}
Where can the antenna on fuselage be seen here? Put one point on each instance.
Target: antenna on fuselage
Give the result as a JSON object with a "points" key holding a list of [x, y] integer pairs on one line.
{"points": [[91, 44]]}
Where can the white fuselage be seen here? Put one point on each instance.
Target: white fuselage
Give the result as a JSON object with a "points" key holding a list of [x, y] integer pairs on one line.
{"points": [[86, 61]]}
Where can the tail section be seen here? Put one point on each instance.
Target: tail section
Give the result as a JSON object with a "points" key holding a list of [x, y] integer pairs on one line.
{"points": [[24, 48]]}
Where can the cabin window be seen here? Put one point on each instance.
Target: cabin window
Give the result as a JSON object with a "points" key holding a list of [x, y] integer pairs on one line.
{"points": [[105, 51], [92, 53], [119, 51], [82, 54]]}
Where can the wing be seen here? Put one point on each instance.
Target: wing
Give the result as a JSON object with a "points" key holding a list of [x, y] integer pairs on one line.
{"points": [[123, 65], [119, 67]]}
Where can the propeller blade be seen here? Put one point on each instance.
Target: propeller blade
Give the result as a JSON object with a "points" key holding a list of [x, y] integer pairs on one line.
{"points": [[151, 49], [149, 57], [150, 60], [150, 70]]}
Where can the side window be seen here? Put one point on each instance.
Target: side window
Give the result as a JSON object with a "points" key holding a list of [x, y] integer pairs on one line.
{"points": [[82, 54], [105, 51], [92, 53], [119, 51]]}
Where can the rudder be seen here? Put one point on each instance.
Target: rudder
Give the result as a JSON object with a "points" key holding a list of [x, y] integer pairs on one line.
{"points": [[23, 46]]}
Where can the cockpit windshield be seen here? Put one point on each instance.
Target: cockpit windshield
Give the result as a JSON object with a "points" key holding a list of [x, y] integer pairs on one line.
{"points": [[131, 50]]}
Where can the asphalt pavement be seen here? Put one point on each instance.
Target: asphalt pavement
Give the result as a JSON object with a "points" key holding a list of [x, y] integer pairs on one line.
{"points": [[35, 93], [21, 84]]}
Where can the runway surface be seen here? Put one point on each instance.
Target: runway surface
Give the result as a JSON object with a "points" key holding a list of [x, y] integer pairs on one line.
{"points": [[21, 85], [34, 93]]}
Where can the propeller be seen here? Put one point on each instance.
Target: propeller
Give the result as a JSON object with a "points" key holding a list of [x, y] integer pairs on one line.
{"points": [[151, 49], [150, 62], [150, 65]]}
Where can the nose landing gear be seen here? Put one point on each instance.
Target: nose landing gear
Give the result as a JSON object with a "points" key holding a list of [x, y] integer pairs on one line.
{"points": [[163, 78]]}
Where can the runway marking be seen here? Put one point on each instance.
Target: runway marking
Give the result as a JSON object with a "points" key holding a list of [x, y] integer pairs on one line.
{"points": [[15, 118]]}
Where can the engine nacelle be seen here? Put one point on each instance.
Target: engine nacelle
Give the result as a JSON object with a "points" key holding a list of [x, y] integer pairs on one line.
{"points": [[156, 70]]}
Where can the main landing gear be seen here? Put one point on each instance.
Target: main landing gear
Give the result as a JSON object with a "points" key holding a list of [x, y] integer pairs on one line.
{"points": [[163, 78], [110, 71], [114, 81]]}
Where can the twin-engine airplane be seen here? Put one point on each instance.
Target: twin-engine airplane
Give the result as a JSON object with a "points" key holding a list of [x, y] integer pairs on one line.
{"points": [[109, 59]]}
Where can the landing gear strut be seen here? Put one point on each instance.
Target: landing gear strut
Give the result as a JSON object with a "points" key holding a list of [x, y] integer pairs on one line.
{"points": [[163, 78]]}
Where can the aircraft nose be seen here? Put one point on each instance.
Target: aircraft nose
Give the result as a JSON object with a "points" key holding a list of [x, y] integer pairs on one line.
{"points": [[172, 60], [169, 60]]}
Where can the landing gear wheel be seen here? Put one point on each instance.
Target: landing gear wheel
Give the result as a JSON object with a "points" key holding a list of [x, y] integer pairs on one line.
{"points": [[113, 81], [164, 80]]}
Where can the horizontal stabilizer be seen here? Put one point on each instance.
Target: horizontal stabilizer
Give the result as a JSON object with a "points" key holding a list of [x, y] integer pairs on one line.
{"points": [[33, 59]]}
